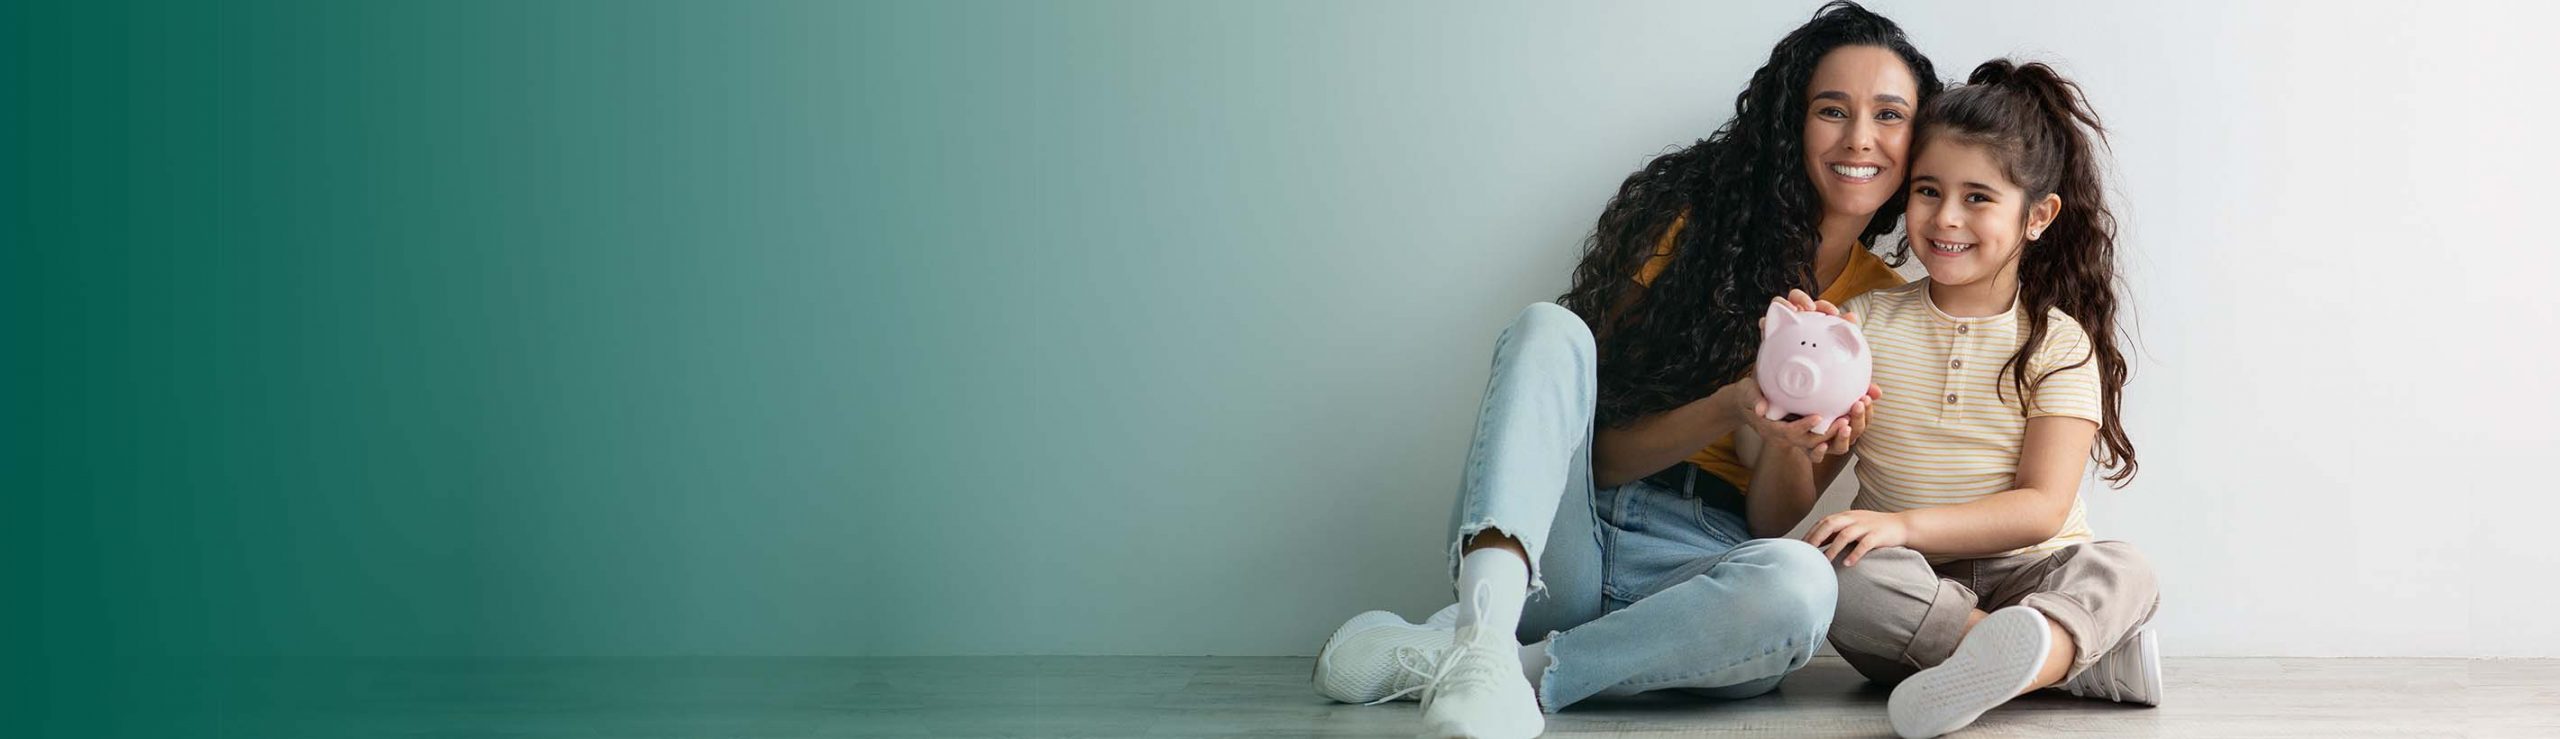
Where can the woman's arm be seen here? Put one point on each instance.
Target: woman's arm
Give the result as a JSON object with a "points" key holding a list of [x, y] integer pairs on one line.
{"points": [[2049, 471], [1650, 444], [1653, 443]]}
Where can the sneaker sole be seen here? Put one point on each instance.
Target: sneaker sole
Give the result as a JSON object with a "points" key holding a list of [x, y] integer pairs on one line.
{"points": [[1996, 662], [2149, 642]]}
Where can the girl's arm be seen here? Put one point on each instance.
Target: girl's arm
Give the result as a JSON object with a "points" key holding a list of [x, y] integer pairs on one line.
{"points": [[2049, 471]]}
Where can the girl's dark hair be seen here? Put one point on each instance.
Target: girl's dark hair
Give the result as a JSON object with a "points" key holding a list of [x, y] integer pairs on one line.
{"points": [[1752, 229], [2041, 130]]}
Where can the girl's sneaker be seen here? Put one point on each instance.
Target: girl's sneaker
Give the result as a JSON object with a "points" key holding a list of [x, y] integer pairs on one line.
{"points": [[2130, 674], [1996, 662]]}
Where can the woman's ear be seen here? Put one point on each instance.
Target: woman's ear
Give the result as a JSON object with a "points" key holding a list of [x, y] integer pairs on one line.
{"points": [[2042, 215]]}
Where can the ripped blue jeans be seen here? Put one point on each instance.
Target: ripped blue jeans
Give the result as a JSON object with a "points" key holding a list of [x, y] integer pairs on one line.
{"points": [[1640, 587]]}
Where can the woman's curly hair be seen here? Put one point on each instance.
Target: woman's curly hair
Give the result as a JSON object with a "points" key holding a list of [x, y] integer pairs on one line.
{"points": [[1752, 216]]}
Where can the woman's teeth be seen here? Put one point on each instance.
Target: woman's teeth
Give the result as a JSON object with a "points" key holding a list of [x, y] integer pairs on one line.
{"points": [[1947, 248], [1857, 172]]}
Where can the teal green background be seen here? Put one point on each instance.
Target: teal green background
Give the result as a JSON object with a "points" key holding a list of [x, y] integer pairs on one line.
{"points": [[663, 328]]}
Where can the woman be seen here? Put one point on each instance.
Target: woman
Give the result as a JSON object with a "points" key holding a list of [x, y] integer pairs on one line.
{"points": [[1602, 518]]}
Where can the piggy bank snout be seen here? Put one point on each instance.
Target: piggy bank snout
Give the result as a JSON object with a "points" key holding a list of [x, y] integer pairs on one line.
{"points": [[1799, 376]]}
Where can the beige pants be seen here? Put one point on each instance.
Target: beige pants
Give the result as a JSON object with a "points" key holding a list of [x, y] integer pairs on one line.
{"points": [[1899, 615]]}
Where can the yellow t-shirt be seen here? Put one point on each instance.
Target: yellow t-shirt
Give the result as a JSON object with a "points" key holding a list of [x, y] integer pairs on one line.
{"points": [[1865, 272], [1952, 424]]}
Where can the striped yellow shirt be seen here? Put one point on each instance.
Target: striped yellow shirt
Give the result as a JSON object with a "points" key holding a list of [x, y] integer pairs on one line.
{"points": [[1951, 424]]}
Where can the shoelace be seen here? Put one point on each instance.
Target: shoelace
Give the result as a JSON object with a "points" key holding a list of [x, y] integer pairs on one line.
{"points": [[1457, 654], [1414, 661]]}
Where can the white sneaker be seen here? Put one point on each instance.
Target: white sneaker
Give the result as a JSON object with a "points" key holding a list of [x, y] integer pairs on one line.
{"points": [[2130, 674], [1376, 657], [1480, 693], [1996, 662]]}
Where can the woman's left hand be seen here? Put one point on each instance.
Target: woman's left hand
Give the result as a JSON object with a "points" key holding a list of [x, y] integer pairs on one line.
{"points": [[1856, 533]]}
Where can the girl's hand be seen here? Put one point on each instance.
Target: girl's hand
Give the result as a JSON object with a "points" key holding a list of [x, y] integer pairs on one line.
{"points": [[1844, 432], [1804, 303], [1856, 533]]}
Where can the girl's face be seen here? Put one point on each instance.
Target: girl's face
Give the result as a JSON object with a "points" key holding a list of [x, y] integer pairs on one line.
{"points": [[1857, 128], [1967, 221]]}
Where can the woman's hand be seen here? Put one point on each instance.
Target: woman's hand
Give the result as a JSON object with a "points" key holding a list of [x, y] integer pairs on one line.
{"points": [[1798, 433], [1856, 533]]}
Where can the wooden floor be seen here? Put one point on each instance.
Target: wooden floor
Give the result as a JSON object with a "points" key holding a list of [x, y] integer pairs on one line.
{"points": [[1211, 697]]}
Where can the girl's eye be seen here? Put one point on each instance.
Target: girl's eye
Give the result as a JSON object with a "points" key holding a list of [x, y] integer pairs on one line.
{"points": [[1977, 198], [1925, 191]]}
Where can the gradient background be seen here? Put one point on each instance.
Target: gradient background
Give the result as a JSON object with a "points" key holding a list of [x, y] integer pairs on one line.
{"points": [[667, 328]]}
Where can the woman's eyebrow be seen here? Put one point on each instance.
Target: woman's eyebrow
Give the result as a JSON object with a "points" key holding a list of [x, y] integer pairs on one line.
{"points": [[1844, 97]]}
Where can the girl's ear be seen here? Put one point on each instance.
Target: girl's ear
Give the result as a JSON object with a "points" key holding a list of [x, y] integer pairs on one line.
{"points": [[2042, 215]]}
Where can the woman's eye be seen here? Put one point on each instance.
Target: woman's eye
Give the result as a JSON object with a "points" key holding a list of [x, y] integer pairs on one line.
{"points": [[1890, 115], [1831, 113]]}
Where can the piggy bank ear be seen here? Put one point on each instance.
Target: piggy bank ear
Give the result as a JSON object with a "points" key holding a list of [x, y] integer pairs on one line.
{"points": [[1781, 317], [1849, 338]]}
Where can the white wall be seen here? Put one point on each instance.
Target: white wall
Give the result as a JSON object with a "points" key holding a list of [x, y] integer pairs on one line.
{"points": [[2332, 217]]}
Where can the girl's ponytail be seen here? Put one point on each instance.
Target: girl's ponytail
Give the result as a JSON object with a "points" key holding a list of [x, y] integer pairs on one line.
{"points": [[2045, 134]]}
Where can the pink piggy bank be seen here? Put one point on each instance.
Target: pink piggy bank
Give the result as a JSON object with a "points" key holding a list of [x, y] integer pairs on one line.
{"points": [[1811, 364]]}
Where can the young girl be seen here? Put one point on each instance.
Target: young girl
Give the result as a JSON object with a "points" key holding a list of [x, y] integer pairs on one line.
{"points": [[1968, 572]]}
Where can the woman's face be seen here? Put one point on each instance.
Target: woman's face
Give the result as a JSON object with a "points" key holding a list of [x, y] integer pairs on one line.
{"points": [[1857, 127]]}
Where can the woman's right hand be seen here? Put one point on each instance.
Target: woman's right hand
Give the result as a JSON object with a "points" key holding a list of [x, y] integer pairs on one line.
{"points": [[1799, 434]]}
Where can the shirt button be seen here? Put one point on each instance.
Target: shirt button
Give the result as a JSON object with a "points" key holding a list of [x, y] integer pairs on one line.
{"points": [[1951, 398], [1956, 363], [1963, 329]]}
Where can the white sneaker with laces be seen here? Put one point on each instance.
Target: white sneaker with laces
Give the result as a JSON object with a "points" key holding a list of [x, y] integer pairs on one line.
{"points": [[1376, 657], [1998, 659], [1478, 692], [2130, 674]]}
